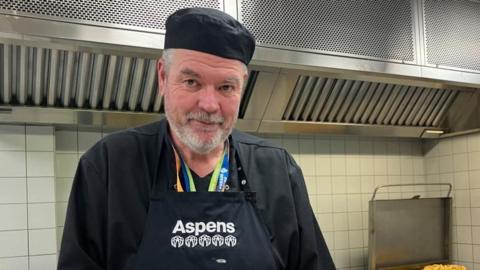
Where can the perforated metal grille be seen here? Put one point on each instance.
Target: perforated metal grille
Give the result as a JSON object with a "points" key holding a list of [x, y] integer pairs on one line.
{"points": [[138, 13], [453, 33], [374, 28], [318, 99], [31, 76]]}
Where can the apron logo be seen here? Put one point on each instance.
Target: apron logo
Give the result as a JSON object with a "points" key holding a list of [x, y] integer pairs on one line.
{"points": [[197, 234], [177, 241], [217, 240], [204, 240]]}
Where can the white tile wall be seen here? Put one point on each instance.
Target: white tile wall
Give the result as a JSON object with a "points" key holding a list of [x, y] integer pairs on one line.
{"points": [[43, 262], [13, 217], [27, 197], [346, 171], [42, 241], [13, 190], [14, 243], [458, 164], [14, 263], [10, 139]]}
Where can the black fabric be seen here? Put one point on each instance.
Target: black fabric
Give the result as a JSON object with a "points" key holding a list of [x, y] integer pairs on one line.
{"points": [[201, 183], [210, 31], [110, 195], [243, 245]]}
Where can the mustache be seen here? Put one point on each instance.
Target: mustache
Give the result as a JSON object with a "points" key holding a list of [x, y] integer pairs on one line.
{"points": [[205, 117]]}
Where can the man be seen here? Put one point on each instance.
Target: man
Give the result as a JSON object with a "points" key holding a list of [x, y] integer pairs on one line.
{"points": [[133, 203]]}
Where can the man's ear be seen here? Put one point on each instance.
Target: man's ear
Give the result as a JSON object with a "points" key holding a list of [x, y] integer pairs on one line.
{"points": [[161, 74]]}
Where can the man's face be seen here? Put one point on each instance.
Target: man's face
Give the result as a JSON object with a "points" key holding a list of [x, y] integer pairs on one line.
{"points": [[202, 94]]}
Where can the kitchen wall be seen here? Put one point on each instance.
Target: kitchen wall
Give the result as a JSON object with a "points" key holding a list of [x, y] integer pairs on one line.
{"points": [[38, 164], [27, 198], [341, 173], [457, 161]]}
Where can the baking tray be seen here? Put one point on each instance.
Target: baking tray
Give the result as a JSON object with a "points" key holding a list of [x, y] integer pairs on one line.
{"points": [[409, 233]]}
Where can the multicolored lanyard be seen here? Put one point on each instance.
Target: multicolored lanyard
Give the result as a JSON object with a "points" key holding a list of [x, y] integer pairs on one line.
{"points": [[217, 181]]}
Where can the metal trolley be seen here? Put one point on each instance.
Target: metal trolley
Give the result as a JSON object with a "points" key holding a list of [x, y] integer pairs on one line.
{"points": [[409, 233]]}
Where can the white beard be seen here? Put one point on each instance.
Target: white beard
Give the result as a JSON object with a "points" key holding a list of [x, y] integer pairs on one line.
{"points": [[189, 137]]}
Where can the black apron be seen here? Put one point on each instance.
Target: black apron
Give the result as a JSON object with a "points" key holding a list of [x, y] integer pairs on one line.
{"points": [[205, 230]]}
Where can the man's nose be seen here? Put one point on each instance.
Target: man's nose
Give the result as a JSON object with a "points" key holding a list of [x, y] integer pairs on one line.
{"points": [[208, 100]]}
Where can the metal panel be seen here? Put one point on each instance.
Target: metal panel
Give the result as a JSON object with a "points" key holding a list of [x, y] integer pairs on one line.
{"points": [[83, 81], [339, 101], [444, 108], [67, 89], [430, 109], [98, 79], [348, 101], [372, 103], [438, 107], [260, 96], [363, 105], [110, 83], [324, 94], [402, 105], [356, 102], [22, 74], [297, 92], [124, 83], [414, 118], [38, 77], [452, 33], [138, 73], [119, 13], [374, 117], [378, 29], [52, 77], [331, 100], [396, 226], [305, 96], [307, 113], [150, 86], [417, 92], [158, 103], [7, 74]]}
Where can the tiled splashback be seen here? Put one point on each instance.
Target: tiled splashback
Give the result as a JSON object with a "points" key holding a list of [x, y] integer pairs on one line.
{"points": [[341, 173], [27, 198], [457, 161], [38, 163]]}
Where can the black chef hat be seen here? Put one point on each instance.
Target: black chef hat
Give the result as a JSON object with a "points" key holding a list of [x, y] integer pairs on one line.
{"points": [[211, 31]]}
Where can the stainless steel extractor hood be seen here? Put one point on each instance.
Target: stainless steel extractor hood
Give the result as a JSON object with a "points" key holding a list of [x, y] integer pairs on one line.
{"points": [[389, 68]]}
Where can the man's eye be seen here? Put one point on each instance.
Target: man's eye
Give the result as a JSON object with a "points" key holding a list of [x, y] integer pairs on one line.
{"points": [[190, 82], [227, 88]]}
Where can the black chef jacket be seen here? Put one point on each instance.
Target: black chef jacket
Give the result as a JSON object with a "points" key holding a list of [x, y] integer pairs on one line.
{"points": [[110, 198]]}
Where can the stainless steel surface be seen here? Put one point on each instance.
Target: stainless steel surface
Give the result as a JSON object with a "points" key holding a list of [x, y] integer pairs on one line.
{"points": [[97, 80], [409, 233], [343, 83], [298, 127], [135, 15], [412, 184], [319, 99], [452, 33], [382, 32], [91, 118]]}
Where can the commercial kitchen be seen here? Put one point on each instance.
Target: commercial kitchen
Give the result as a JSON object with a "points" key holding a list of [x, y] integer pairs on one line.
{"points": [[377, 101]]}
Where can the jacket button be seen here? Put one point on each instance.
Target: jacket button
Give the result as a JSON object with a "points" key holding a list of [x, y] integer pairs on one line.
{"points": [[243, 182], [239, 168], [227, 187]]}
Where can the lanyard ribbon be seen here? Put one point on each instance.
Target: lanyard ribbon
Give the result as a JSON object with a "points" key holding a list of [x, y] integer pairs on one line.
{"points": [[217, 181]]}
